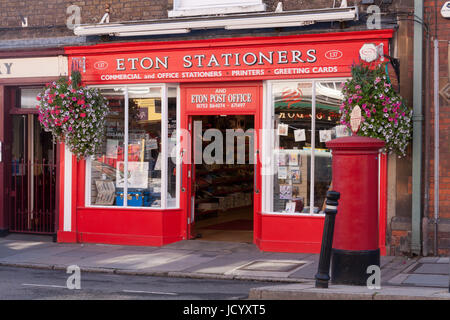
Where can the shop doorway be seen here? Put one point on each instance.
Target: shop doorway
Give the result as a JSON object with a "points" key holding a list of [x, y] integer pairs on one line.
{"points": [[223, 179], [32, 177]]}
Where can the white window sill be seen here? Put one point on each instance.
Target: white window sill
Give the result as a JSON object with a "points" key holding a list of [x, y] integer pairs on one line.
{"points": [[215, 10], [287, 215]]}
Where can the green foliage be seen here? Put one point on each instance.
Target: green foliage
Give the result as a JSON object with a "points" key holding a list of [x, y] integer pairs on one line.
{"points": [[73, 114], [384, 114]]}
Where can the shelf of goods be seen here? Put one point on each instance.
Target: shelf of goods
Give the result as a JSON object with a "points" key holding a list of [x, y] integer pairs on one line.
{"points": [[221, 187]]}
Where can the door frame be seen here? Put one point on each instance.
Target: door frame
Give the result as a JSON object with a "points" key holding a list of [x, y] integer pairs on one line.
{"points": [[187, 150], [8, 107]]}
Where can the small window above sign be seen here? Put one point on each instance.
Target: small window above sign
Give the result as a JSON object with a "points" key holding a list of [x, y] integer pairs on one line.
{"points": [[185, 8], [28, 98]]}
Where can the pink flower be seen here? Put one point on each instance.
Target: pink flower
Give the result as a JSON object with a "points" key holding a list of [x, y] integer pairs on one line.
{"points": [[81, 102], [82, 114], [385, 110]]}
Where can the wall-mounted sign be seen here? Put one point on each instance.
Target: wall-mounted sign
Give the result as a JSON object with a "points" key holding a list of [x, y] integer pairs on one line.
{"points": [[225, 60], [222, 99]]}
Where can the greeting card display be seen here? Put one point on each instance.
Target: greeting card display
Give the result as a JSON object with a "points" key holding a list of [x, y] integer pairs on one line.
{"points": [[300, 135], [293, 159], [282, 159], [282, 173], [285, 192], [325, 135], [290, 207], [283, 129], [295, 175]]}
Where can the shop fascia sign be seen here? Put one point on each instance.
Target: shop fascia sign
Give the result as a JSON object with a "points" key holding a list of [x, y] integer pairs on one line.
{"points": [[33, 67], [292, 60], [221, 60], [5, 68]]}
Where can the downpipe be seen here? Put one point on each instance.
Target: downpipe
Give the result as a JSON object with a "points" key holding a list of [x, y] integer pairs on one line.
{"points": [[417, 130], [436, 145]]}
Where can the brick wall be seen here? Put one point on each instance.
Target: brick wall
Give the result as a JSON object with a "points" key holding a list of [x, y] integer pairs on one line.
{"points": [[439, 27], [48, 18]]}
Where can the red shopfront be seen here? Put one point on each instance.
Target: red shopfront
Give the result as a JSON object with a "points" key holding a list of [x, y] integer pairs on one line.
{"points": [[288, 87]]}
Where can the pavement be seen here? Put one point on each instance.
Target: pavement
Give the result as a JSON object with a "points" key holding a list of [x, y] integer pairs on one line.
{"points": [[292, 274]]}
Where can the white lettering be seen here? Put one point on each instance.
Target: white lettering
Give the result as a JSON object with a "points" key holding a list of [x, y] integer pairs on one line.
{"points": [[120, 64]]}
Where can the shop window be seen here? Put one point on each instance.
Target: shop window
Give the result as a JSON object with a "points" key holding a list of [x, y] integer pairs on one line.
{"points": [[172, 167], [305, 116], [212, 7], [141, 118], [28, 97]]}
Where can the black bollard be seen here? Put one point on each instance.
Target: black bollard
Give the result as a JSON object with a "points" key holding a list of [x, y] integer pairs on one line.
{"points": [[323, 273]]}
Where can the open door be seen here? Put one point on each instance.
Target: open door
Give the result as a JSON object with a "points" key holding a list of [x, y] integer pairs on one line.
{"points": [[222, 198]]}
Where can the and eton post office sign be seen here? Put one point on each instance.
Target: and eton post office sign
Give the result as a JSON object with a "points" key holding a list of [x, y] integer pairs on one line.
{"points": [[228, 60]]}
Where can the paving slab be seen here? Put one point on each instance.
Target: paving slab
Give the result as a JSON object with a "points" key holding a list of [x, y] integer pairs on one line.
{"points": [[226, 263], [291, 256], [133, 259], [269, 268], [428, 259], [397, 280], [183, 263], [39, 255], [385, 260], [203, 245], [433, 268], [444, 260], [307, 272], [428, 280]]}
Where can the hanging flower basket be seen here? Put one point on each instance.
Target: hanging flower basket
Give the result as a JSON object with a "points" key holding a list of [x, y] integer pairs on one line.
{"points": [[384, 113], [74, 114]]}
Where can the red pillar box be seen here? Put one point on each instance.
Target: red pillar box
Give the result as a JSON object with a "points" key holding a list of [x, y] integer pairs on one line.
{"points": [[355, 176]]}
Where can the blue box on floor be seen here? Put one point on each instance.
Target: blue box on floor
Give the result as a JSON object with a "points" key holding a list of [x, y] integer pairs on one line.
{"points": [[134, 199]]}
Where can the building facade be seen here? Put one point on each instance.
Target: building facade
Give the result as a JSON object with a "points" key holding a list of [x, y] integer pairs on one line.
{"points": [[254, 37]]}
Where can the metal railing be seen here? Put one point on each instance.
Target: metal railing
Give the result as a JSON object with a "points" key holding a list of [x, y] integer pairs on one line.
{"points": [[32, 197]]}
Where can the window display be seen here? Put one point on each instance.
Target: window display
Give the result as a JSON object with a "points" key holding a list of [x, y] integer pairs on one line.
{"points": [[306, 116], [136, 170]]}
